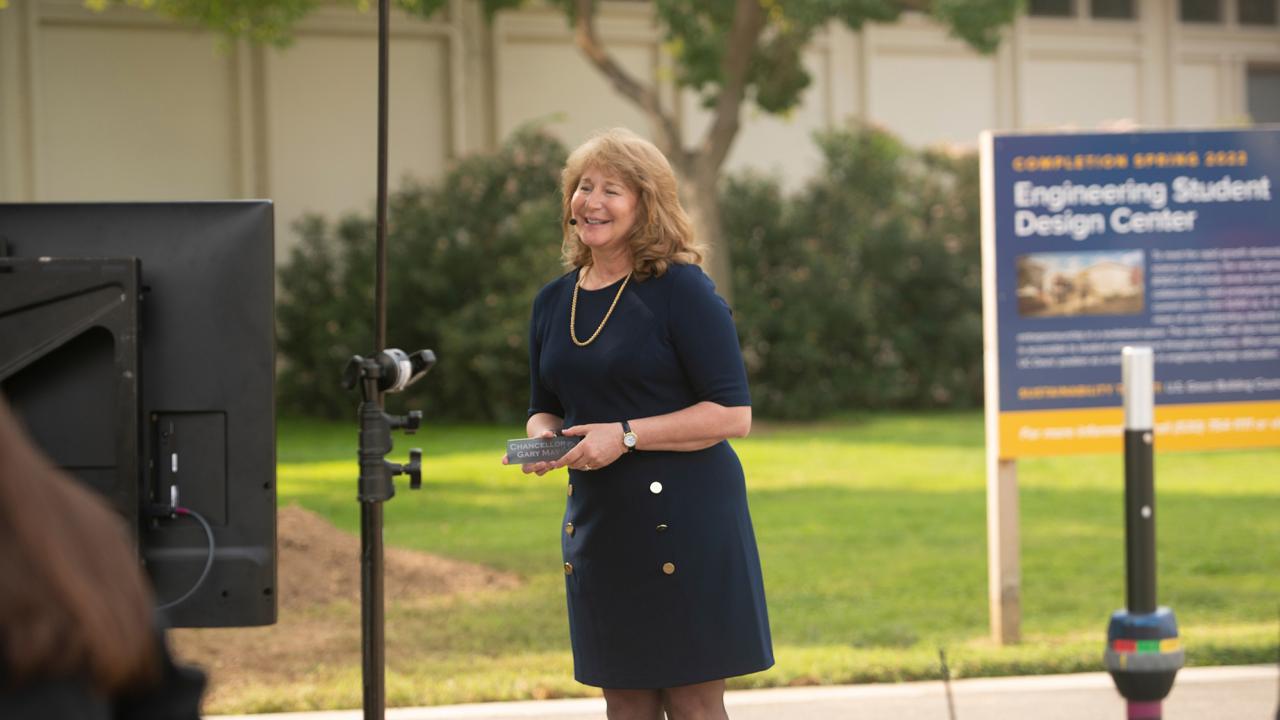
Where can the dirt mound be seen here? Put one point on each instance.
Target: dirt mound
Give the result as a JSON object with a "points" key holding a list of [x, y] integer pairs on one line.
{"points": [[319, 563]]}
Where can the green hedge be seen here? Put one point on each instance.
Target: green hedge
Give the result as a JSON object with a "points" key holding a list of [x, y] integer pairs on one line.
{"points": [[465, 257], [863, 290], [860, 291]]}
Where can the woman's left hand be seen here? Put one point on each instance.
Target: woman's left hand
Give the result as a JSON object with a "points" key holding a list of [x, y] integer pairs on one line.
{"points": [[601, 445]]}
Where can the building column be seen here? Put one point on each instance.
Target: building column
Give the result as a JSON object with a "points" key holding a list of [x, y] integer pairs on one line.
{"points": [[475, 32], [1009, 58], [846, 76], [18, 40], [1156, 69]]}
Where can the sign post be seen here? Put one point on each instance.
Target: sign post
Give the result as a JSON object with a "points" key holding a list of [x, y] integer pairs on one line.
{"points": [[1092, 242]]}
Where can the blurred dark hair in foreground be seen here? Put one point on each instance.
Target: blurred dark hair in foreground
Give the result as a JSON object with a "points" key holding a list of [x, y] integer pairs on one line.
{"points": [[76, 629]]}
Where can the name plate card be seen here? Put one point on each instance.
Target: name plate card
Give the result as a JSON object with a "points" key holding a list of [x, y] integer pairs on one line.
{"points": [[532, 450]]}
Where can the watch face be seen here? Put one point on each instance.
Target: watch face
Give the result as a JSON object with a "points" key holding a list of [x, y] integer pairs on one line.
{"points": [[629, 440]]}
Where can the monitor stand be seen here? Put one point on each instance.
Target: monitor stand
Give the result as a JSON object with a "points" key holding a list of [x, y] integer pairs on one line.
{"points": [[69, 356]]}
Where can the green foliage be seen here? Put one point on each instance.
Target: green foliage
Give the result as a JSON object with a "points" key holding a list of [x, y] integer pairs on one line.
{"points": [[977, 22], [864, 289], [260, 22], [325, 316], [860, 292], [269, 22], [465, 259], [697, 33]]}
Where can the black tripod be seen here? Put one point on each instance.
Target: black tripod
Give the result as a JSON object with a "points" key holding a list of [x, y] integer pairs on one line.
{"points": [[388, 370]]}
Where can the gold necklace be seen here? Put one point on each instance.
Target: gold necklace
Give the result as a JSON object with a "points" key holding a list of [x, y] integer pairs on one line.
{"points": [[573, 313]]}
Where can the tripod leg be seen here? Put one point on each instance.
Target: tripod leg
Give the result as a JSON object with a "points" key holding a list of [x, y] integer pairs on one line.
{"points": [[371, 610]]}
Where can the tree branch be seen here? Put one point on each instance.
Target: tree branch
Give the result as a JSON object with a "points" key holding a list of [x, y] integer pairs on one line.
{"points": [[646, 97], [744, 35]]}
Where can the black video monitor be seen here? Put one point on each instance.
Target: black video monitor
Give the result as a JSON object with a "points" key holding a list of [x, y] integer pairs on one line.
{"points": [[137, 344]]}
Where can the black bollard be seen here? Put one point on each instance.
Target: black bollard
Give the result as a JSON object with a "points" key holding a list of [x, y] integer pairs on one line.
{"points": [[1143, 650]]}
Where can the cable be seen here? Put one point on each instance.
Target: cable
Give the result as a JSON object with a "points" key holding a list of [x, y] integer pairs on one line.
{"points": [[208, 563], [946, 683]]}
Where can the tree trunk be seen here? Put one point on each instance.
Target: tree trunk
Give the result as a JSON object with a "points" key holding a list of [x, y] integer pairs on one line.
{"points": [[702, 200], [699, 169]]}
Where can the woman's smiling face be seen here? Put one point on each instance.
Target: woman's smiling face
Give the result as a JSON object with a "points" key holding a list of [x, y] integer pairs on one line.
{"points": [[605, 208]]}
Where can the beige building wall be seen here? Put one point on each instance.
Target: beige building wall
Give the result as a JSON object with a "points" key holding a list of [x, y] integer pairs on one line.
{"points": [[120, 105], [540, 77], [319, 115]]}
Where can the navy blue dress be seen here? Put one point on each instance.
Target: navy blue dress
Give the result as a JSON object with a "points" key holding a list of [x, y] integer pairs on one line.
{"points": [[662, 574]]}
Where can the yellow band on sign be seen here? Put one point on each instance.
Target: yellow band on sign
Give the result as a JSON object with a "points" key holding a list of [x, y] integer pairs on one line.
{"points": [[1217, 426]]}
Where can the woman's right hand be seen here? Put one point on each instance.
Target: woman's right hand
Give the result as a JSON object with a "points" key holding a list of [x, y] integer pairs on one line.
{"points": [[540, 468]]}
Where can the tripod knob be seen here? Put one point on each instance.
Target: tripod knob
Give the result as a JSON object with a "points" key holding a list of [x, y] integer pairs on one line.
{"points": [[407, 423], [413, 469]]}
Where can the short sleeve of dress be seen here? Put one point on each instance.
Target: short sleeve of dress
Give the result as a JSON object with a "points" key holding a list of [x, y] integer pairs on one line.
{"points": [[706, 340], [541, 398]]}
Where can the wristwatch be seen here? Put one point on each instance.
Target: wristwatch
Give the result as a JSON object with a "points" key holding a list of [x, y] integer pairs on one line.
{"points": [[628, 437]]}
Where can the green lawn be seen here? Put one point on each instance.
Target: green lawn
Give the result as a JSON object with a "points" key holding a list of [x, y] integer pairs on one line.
{"points": [[873, 536]]}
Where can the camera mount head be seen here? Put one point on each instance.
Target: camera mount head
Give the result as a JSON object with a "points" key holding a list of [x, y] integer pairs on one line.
{"points": [[393, 369]]}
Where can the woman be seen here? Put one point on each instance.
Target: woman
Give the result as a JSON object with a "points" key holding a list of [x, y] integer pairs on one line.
{"points": [[633, 352], [76, 634]]}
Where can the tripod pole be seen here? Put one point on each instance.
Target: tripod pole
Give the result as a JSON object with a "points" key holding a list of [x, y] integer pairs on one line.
{"points": [[371, 610], [372, 620], [380, 282]]}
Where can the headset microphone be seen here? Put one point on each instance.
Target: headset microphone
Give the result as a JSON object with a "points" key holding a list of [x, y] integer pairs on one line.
{"points": [[573, 221]]}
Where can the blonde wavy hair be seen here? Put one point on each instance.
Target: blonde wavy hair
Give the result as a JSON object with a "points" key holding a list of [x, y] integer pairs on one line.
{"points": [[662, 233]]}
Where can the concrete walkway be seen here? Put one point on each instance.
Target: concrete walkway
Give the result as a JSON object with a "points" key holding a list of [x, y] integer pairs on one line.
{"points": [[1235, 693]]}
